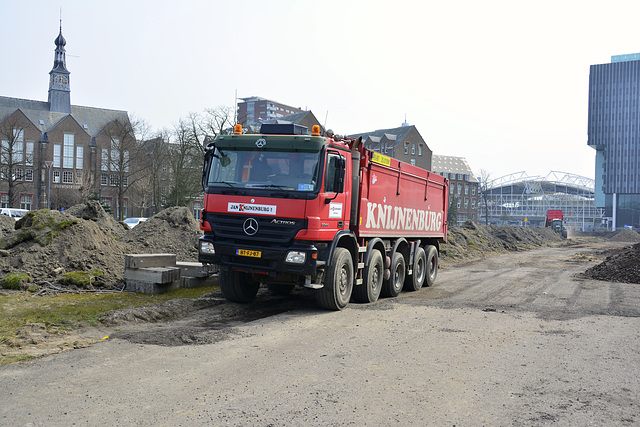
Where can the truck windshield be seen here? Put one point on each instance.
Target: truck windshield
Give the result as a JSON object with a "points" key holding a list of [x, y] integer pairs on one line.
{"points": [[293, 171]]}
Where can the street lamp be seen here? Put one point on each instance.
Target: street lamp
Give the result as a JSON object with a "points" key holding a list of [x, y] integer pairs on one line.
{"points": [[48, 164]]}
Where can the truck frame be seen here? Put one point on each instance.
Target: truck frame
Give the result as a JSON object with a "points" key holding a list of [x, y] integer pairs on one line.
{"points": [[283, 209]]}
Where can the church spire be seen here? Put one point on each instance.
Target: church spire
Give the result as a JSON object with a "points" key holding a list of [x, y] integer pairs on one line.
{"points": [[60, 59], [59, 90]]}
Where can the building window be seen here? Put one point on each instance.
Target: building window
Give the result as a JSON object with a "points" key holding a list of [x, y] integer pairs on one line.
{"points": [[19, 174], [28, 175], [4, 200], [57, 150], [26, 201], [79, 157], [413, 149], [113, 180], [67, 152], [419, 149], [56, 177], [29, 153], [67, 177], [197, 208], [452, 188], [406, 148], [458, 203], [115, 155], [104, 161], [473, 203], [125, 181], [466, 203], [104, 179], [459, 189], [473, 190], [413, 162], [466, 190]]}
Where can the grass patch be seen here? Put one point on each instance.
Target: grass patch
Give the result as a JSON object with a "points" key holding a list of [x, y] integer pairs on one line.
{"points": [[70, 311], [16, 281], [80, 279]]}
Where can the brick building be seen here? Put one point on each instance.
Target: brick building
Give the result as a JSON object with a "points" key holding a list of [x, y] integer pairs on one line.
{"points": [[463, 185], [254, 110], [54, 154], [403, 143]]}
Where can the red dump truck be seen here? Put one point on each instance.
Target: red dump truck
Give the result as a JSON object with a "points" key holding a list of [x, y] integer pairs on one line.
{"points": [[284, 208], [554, 220]]}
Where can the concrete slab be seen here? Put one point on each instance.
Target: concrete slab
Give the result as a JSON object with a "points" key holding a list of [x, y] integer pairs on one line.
{"points": [[159, 275], [149, 260]]}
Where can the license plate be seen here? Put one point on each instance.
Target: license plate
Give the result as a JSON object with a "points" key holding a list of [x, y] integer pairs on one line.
{"points": [[247, 252]]}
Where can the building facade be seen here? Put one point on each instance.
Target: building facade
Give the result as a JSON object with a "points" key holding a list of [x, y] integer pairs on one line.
{"points": [[614, 132], [254, 110], [54, 154], [463, 185], [403, 143]]}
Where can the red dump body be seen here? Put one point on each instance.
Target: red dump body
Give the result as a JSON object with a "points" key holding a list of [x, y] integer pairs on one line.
{"points": [[553, 214], [400, 200]]}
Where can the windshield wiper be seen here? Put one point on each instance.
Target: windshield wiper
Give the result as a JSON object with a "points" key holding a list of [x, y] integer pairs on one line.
{"points": [[224, 182]]}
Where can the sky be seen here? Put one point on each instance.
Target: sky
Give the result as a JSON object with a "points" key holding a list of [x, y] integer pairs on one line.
{"points": [[502, 83]]}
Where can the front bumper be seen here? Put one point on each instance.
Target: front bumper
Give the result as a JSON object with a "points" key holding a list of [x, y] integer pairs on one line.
{"points": [[271, 259]]}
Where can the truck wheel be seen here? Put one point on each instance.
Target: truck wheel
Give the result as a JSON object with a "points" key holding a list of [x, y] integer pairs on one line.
{"points": [[416, 280], [432, 265], [238, 286], [393, 286], [369, 291], [338, 285]]}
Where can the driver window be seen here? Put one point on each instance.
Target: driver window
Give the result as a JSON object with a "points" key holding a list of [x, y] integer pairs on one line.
{"points": [[330, 173]]}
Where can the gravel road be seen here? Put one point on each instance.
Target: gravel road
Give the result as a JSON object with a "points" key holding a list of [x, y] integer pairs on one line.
{"points": [[514, 340]]}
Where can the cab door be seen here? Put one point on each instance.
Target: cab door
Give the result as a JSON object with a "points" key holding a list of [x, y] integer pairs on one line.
{"points": [[334, 200]]}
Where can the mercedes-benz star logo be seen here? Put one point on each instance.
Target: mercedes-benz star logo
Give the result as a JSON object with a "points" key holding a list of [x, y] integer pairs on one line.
{"points": [[261, 143], [250, 226]]}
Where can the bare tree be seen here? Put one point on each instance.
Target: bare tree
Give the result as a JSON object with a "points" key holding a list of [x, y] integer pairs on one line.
{"points": [[150, 189], [485, 180], [126, 160], [13, 157], [185, 160], [216, 121]]}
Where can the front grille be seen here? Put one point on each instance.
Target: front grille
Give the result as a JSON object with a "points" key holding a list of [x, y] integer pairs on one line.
{"points": [[229, 228]]}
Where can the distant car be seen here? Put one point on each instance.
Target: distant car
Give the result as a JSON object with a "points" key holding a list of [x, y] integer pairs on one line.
{"points": [[132, 222], [14, 213]]}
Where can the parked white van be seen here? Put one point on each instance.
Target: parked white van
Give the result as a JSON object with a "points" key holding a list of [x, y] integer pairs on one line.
{"points": [[14, 213]]}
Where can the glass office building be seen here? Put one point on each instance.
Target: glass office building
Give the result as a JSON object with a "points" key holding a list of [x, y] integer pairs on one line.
{"points": [[614, 132]]}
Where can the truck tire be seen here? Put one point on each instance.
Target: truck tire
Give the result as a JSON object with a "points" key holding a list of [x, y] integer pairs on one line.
{"points": [[338, 284], [393, 286], [432, 265], [369, 291], [416, 280], [238, 286]]}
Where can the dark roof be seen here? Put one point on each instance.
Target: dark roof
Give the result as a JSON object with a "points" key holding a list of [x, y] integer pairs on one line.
{"points": [[400, 134], [451, 164], [94, 118]]}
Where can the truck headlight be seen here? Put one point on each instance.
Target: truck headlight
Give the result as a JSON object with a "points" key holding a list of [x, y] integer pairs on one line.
{"points": [[207, 248], [296, 257]]}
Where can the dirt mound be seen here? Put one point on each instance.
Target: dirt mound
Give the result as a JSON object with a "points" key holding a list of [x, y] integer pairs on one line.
{"points": [[46, 244], [7, 224], [93, 211], [626, 235], [622, 266], [472, 241], [173, 230]]}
